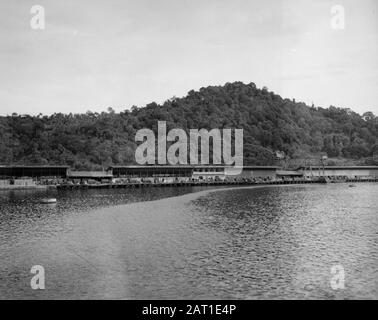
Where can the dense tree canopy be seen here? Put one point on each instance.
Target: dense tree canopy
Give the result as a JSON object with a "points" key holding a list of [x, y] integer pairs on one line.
{"points": [[270, 123]]}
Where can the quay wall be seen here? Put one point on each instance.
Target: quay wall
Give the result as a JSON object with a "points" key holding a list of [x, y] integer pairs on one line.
{"points": [[205, 183]]}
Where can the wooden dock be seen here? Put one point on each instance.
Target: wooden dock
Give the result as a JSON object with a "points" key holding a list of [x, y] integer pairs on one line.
{"points": [[198, 184]]}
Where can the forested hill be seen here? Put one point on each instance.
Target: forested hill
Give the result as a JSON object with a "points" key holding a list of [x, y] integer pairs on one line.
{"points": [[270, 123]]}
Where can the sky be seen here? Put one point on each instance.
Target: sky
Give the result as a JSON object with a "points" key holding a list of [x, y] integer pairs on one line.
{"points": [[95, 54]]}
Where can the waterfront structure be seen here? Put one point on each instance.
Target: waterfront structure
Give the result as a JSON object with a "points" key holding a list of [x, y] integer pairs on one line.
{"points": [[204, 172], [18, 175], [339, 171], [152, 171], [35, 172]]}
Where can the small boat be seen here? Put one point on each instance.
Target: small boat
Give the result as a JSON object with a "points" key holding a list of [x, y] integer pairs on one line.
{"points": [[352, 186], [48, 201]]}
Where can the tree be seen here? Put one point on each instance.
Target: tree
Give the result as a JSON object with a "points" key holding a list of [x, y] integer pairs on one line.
{"points": [[368, 116]]}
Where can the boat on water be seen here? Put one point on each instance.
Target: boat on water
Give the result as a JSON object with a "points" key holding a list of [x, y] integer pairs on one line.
{"points": [[48, 201], [352, 186]]}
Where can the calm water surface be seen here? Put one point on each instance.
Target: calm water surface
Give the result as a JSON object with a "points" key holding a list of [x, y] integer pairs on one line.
{"points": [[247, 243]]}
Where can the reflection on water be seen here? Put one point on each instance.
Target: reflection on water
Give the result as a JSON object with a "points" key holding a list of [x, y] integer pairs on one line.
{"points": [[276, 242], [22, 211]]}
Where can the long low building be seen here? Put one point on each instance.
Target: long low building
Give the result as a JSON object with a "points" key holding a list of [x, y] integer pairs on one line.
{"points": [[340, 171], [151, 171], [184, 172], [7, 172], [196, 172]]}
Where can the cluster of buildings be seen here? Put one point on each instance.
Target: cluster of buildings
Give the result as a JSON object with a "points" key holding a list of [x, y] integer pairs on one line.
{"points": [[46, 175]]}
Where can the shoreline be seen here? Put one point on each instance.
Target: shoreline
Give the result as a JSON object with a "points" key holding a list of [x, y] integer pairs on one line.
{"points": [[210, 183]]}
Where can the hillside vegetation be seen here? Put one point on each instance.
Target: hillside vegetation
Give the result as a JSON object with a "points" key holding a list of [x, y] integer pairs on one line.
{"points": [[270, 123]]}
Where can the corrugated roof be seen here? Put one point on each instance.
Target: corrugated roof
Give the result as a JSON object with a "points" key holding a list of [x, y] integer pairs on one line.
{"points": [[89, 174]]}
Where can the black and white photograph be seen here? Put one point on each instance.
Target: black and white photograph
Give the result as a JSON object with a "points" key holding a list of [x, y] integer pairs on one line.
{"points": [[187, 150]]}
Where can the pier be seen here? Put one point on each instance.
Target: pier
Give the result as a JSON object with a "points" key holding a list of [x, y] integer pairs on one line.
{"points": [[199, 184]]}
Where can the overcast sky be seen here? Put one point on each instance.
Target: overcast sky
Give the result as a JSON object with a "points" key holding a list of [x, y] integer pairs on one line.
{"points": [[97, 54]]}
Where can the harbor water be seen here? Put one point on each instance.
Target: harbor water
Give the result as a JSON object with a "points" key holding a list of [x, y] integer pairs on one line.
{"points": [[277, 242]]}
